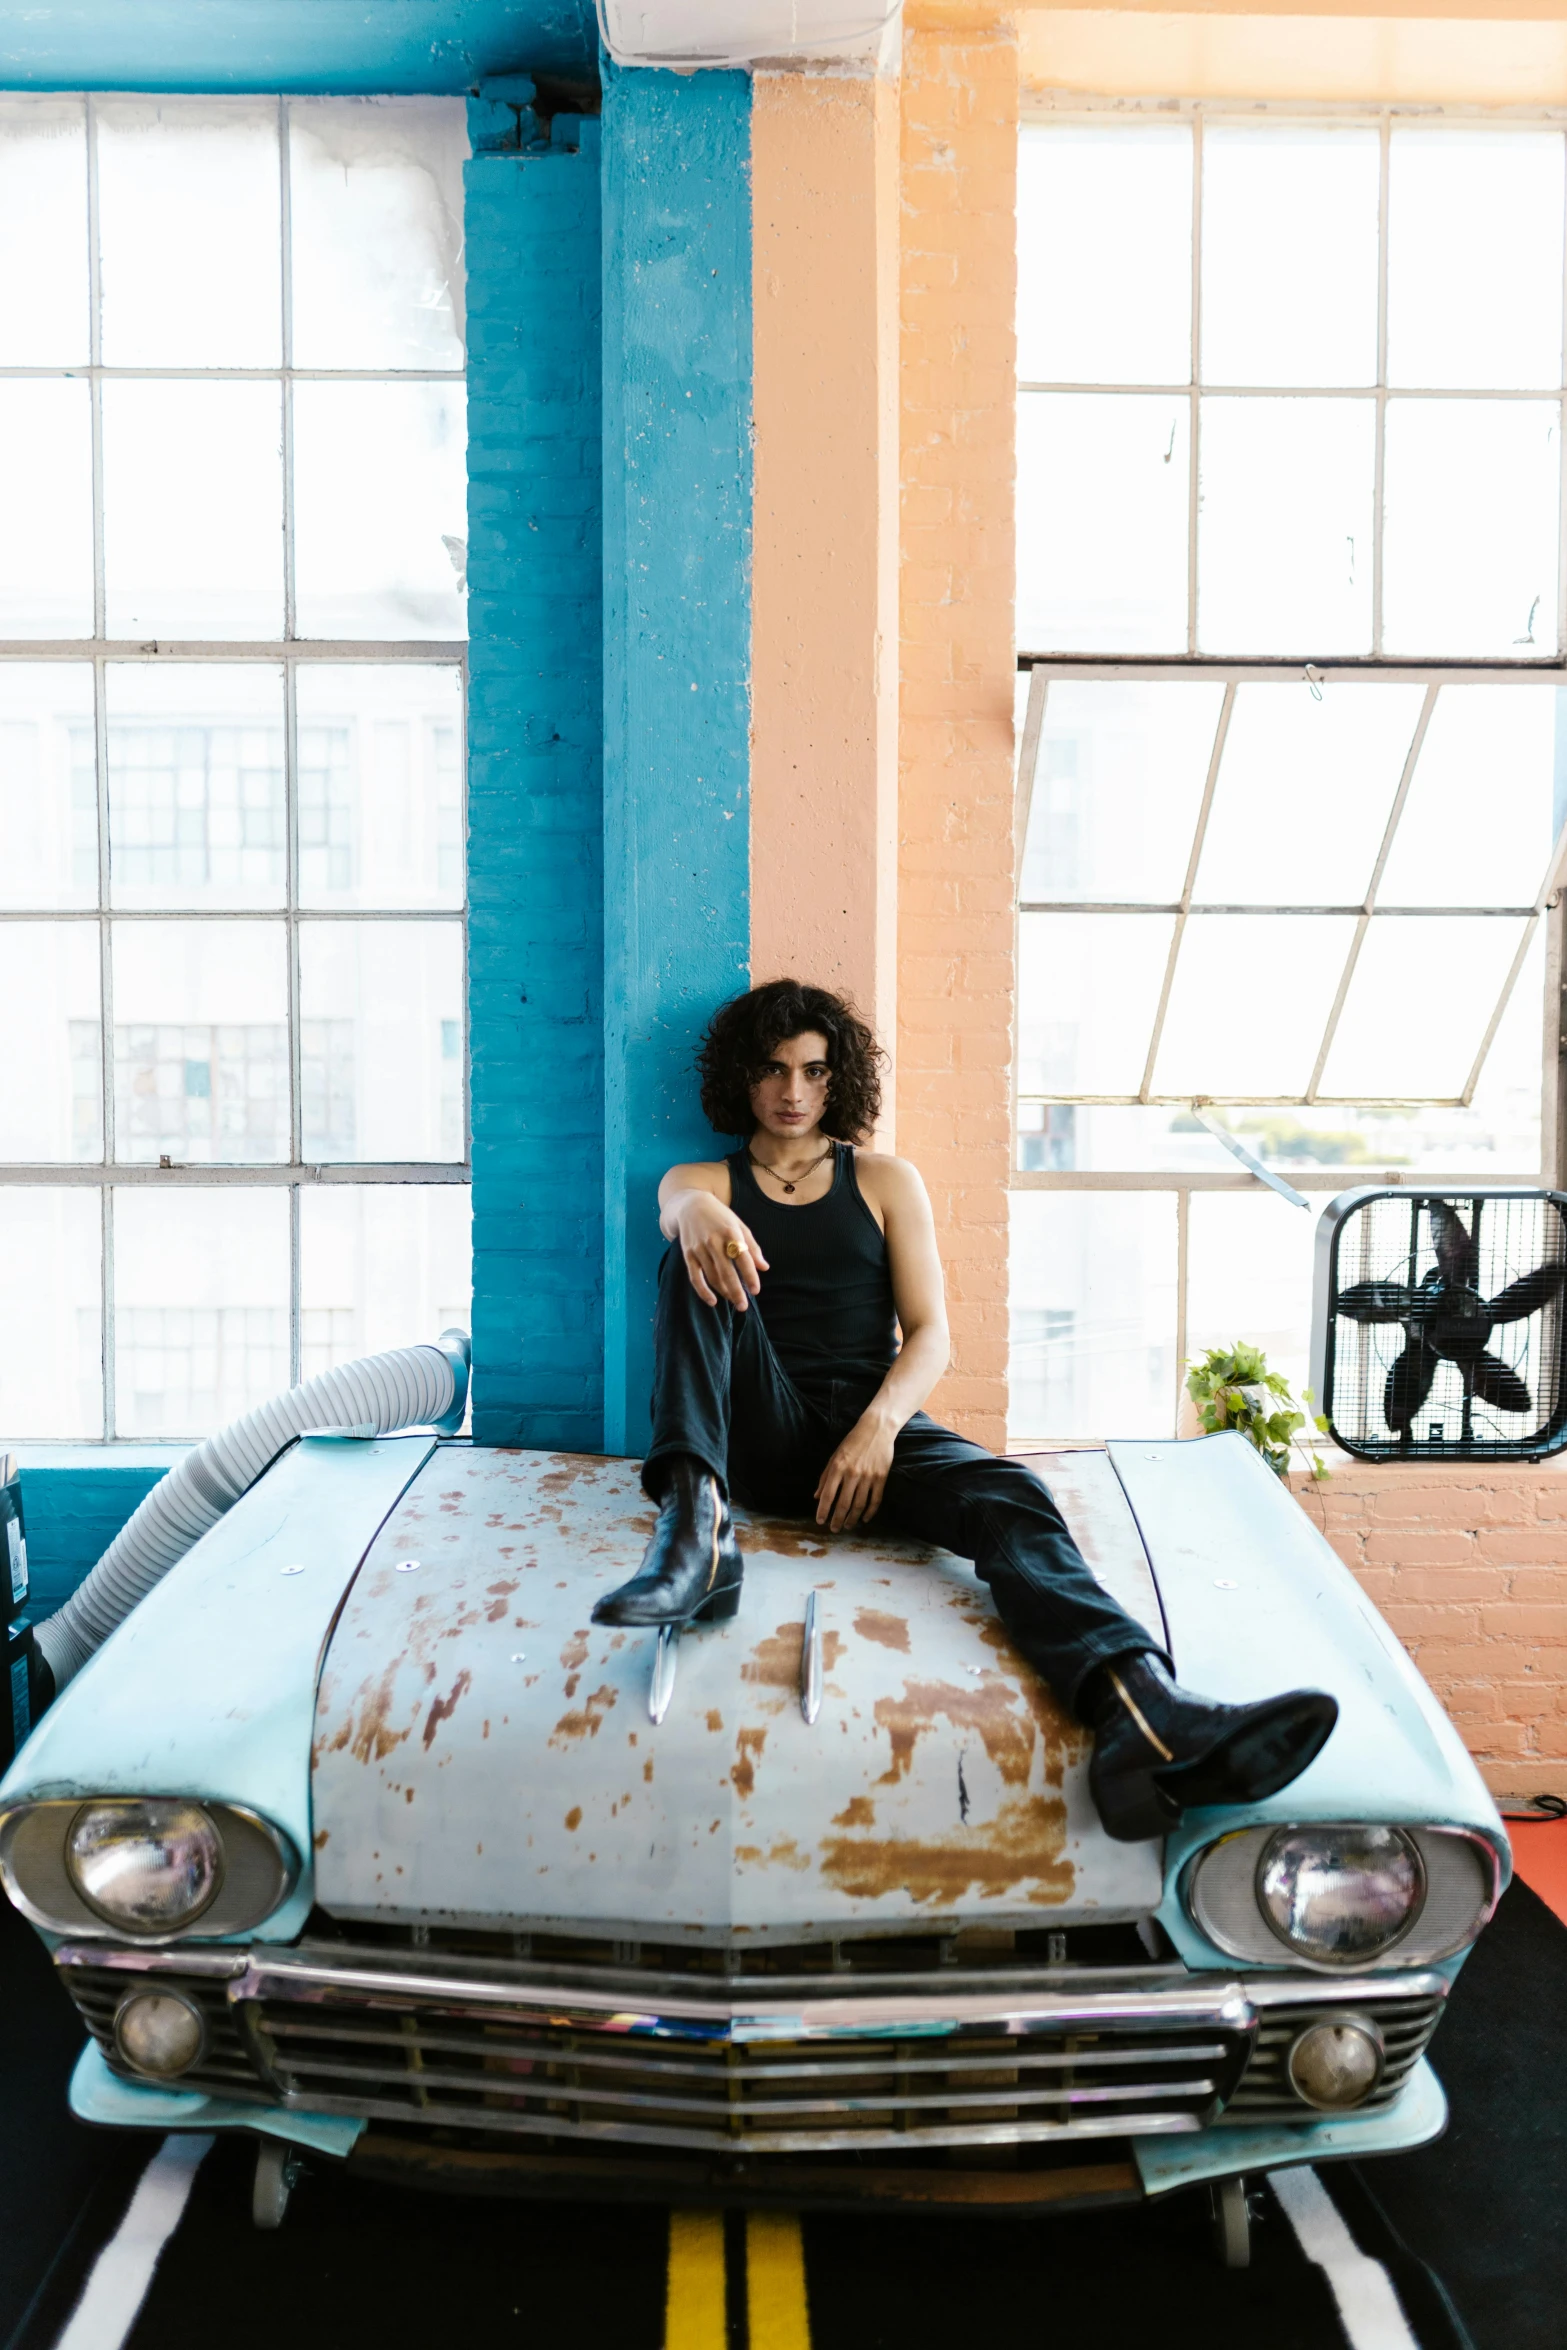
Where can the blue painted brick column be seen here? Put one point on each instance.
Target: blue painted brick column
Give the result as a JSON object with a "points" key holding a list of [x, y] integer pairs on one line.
{"points": [[677, 646], [535, 713]]}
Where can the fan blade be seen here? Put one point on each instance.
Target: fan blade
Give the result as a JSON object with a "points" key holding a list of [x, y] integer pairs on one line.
{"points": [[1455, 1251], [1377, 1301], [1408, 1384], [1526, 1296], [1495, 1384]]}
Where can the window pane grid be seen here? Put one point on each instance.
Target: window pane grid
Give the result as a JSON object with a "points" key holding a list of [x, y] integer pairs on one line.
{"points": [[1052, 506], [168, 812]]}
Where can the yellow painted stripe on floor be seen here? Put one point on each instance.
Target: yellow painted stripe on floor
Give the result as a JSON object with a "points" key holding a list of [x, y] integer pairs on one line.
{"points": [[694, 2306], [777, 2314]]}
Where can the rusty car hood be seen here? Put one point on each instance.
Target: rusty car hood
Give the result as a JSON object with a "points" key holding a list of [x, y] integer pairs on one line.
{"points": [[484, 1754]]}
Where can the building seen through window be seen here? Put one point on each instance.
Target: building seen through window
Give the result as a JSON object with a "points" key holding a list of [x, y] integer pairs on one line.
{"points": [[1293, 766], [233, 1115]]}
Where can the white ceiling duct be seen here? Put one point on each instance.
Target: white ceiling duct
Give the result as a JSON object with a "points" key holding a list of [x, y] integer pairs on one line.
{"points": [[744, 32]]}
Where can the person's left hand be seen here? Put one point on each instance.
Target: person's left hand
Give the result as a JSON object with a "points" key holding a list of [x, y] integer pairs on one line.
{"points": [[849, 1489]]}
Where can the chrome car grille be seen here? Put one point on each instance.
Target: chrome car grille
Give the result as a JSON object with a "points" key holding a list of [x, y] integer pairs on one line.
{"points": [[890, 2093], [982, 2062], [1264, 2093], [763, 2065]]}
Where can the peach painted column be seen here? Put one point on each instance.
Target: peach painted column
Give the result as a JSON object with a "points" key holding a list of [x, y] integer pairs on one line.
{"points": [[955, 882], [824, 869]]}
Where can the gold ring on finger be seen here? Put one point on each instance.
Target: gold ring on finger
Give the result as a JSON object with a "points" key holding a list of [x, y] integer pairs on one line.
{"points": [[734, 1248]]}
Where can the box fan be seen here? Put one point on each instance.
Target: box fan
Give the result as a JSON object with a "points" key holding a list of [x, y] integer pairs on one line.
{"points": [[1438, 1323]]}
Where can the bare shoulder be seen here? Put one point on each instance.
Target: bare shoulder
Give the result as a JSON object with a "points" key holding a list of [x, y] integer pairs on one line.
{"points": [[895, 1185], [698, 1175]]}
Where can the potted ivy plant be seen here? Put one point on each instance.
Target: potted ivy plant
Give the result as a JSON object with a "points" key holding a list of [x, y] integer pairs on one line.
{"points": [[1232, 1387]]}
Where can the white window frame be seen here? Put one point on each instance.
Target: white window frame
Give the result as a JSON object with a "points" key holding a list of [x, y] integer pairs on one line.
{"points": [[288, 652], [1197, 112], [1042, 667]]}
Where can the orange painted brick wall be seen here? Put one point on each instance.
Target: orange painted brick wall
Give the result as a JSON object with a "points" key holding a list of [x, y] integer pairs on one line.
{"points": [[958, 166], [1467, 1564]]}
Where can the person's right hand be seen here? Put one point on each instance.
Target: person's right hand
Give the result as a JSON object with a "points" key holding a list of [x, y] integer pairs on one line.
{"points": [[704, 1229]]}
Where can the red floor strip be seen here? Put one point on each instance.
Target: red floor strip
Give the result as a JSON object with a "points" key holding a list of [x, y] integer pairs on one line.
{"points": [[1540, 1858]]}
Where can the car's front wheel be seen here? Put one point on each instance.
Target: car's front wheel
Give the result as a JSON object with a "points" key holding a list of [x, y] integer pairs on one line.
{"points": [[1231, 2224], [277, 2169]]}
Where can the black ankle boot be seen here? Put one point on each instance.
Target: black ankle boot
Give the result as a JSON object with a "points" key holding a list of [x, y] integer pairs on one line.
{"points": [[691, 1569], [1160, 1749]]}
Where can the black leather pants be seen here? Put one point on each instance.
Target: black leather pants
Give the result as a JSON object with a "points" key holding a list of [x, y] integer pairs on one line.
{"points": [[721, 1394]]}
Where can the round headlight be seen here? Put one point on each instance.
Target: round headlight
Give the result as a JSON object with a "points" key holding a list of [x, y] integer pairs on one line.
{"points": [[1336, 2063], [159, 2032], [1340, 1895], [150, 1866]]}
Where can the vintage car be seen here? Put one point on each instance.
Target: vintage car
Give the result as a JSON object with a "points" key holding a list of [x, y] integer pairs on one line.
{"points": [[358, 1835]]}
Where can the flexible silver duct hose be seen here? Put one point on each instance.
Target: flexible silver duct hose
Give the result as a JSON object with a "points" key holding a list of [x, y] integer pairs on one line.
{"points": [[412, 1387]]}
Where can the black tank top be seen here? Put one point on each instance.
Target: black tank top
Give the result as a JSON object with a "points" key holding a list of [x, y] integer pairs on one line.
{"points": [[826, 1299]]}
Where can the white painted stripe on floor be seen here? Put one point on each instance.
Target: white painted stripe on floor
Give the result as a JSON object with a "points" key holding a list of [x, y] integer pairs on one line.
{"points": [[1368, 2307], [114, 2292]]}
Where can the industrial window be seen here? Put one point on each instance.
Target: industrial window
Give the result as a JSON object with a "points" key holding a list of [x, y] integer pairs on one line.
{"points": [[1293, 755], [233, 1119]]}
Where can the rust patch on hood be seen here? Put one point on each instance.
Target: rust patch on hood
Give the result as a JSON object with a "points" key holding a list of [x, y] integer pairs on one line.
{"points": [[782, 1539], [858, 1812], [887, 1631], [989, 1709], [575, 1653], [584, 1723], [442, 1709], [365, 1732], [1065, 1741], [775, 1661], [561, 1480], [1023, 1846], [785, 1853], [748, 1753]]}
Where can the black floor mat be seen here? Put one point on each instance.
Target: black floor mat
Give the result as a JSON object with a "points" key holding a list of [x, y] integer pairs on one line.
{"points": [[1486, 2207], [355, 2262], [1110, 2278], [49, 2163]]}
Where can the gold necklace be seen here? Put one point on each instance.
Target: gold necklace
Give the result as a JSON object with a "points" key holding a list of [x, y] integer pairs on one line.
{"points": [[764, 1168]]}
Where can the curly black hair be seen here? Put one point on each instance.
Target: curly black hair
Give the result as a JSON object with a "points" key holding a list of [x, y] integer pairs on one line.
{"points": [[743, 1035]]}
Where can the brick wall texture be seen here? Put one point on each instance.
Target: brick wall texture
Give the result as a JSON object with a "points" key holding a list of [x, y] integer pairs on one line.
{"points": [[535, 723], [955, 816], [1466, 1565]]}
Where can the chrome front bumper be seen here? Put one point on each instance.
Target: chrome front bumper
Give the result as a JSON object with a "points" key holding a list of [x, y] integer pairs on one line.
{"points": [[732, 2069]]}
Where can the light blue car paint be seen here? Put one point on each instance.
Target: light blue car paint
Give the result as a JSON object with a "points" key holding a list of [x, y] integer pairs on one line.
{"points": [[148, 1715], [1285, 1612], [97, 2095], [1419, 2116]]}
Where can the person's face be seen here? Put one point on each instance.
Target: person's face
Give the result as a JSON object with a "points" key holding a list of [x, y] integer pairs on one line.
{"points": [[790, 1096]]}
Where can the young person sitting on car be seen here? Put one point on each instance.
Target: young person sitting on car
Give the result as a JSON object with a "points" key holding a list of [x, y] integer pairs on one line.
{"points": [[779, 1377]]}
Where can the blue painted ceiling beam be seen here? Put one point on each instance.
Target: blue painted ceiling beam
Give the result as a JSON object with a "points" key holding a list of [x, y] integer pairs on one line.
{"points": [[301, 45]]}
